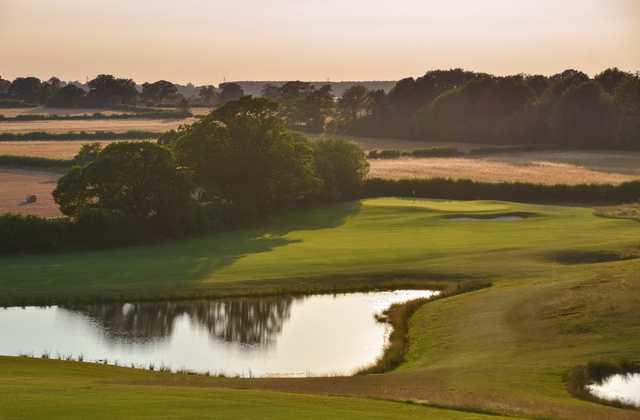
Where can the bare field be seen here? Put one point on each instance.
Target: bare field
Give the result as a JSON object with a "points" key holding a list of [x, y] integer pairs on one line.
{"points": [[93, 125], [536, 167], [48, 149], [16, 184]]}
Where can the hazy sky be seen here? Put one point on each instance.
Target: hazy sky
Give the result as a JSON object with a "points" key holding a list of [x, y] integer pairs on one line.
{"points": [[204, 41]]}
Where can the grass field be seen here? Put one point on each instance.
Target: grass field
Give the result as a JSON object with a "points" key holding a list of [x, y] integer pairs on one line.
{"points": [[565, 292], [551, 167], [16, 184], [73, 391]]}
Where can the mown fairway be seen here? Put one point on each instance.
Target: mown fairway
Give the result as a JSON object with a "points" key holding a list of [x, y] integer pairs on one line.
{"points": [[58, 390], [565, 291]]}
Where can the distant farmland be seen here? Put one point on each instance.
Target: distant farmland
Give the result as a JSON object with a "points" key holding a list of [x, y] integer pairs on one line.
{"points": [[18, 183], [93, 125], [536, 167], [46, 149]]}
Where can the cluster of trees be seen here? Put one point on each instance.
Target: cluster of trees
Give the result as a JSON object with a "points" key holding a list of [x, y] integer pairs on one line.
{"points": [[237, 166], [568, 109], [108, 91]]}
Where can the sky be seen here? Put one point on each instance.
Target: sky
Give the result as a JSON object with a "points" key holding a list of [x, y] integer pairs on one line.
{"points": [[208, 41]]}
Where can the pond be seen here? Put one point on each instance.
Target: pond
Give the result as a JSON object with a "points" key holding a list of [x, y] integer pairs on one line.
{"points": [[313, 335], [620, 387]]}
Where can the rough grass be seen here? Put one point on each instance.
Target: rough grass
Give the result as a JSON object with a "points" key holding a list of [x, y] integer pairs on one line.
{"points": [[507, 348], [626, 211], [550, 167]]}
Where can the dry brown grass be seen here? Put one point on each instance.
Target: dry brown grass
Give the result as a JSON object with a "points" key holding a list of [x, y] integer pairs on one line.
{"points": [[18, 183], [93, 125], [46, 149], [536, 167], [41, 110]]}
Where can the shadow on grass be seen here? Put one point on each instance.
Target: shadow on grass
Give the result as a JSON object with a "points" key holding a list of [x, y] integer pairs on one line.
{"points": [[158, 271]]}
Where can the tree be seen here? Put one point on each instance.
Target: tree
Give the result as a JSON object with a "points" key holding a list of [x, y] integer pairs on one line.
{"points": [[106, 90], [271, 92], [611, 78], [69, 96], [484, 110], [316, 108], [5, 85], [135, 179], [183, 106], [26, 89], [582, 117], [88, 153], [342, 167], [230, 92], [354, 103], [246, 160], [209, 95], [159, 92]]}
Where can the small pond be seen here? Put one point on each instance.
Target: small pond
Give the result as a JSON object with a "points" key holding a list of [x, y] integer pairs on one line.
{"points": [[252, 337], [620, 387]]}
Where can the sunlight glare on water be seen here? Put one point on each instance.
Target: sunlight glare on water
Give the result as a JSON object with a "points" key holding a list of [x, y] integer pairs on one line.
{"points": [[624, 388]]}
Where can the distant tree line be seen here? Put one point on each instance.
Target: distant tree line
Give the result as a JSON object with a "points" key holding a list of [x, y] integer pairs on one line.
{"points": [[568, 109], [108, 91]]}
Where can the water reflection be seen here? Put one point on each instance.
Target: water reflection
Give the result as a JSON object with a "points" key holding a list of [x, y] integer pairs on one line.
{"points": [[623, 388], [268, 336], [251, 321]]}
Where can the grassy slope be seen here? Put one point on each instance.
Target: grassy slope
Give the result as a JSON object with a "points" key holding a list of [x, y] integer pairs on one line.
{"points": [[64, 390], [502, 349]]}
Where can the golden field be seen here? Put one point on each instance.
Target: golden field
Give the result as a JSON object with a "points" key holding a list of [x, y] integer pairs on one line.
{"points": [[18, 183], [566, 167], [53, 126], [47, 149]]}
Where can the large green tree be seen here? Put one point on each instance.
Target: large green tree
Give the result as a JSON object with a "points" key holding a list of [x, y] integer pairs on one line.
{"points": [[139, 180], [246, 160]]}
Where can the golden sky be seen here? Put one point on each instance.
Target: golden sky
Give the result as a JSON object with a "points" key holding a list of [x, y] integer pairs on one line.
{"points": [[205, 41]]}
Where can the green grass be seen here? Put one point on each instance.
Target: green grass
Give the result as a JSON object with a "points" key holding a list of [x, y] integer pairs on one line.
{"points": [[37, 389], [505, 349]]}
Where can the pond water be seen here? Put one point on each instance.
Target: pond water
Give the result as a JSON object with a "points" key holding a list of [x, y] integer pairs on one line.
{"points": [[252, 337], [624, 388]]}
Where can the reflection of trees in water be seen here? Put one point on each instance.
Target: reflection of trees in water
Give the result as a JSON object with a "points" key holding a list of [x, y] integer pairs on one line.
{"points": [[254, 321]]}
